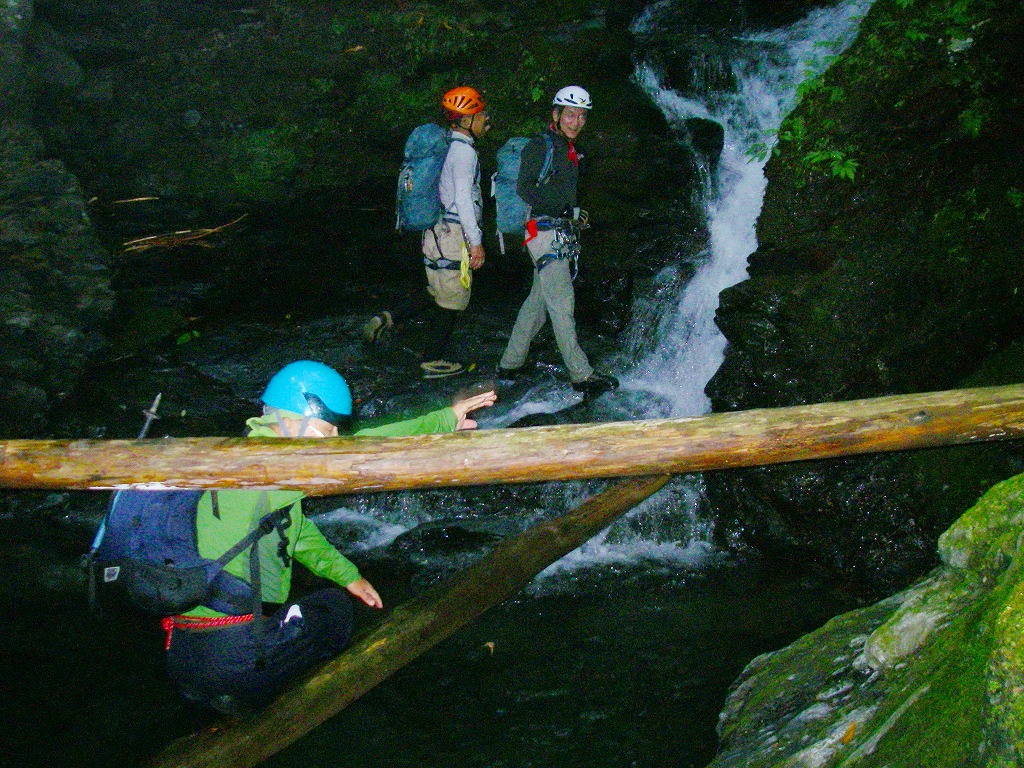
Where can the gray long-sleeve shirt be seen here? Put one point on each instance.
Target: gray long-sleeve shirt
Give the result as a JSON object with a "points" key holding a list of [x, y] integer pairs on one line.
{"points": [[460, 187]]}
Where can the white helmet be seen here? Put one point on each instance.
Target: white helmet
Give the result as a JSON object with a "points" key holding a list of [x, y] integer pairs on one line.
{"points": [[572, 96]]}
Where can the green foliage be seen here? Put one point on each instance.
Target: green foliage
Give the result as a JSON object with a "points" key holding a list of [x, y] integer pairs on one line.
{"points": [[322, 85], [429, 33], [971, 121], [1015, 197], [338, 27], [793, 129], [839, 162], [759, 150]]}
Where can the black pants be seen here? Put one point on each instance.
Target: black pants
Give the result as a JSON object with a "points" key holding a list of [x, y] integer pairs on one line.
{"points": [[225, 669], [439, 324]]}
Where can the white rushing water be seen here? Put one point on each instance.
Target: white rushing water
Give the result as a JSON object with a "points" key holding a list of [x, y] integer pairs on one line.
{"points": [[767, 68]]}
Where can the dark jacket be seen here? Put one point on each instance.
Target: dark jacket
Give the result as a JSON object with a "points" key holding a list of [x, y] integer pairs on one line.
{"points": [[558, 192]]}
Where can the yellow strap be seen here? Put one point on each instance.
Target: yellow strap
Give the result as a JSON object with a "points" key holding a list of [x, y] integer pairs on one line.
{"points": [[465, 275]]}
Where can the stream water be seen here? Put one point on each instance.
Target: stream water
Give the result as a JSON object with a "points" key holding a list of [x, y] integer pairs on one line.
{"points": [[619, 654]]}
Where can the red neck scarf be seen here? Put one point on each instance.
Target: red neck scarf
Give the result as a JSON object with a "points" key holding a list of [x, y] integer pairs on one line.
{"points": [[573, 157]]}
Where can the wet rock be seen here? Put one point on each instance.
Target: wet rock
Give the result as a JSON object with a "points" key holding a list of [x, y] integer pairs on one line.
{"points": [[433, 541], [56, 296], [707, 138], [930, 676], [902, 279], [49, 63]]}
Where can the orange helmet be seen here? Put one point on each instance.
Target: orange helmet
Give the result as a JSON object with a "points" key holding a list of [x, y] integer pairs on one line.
{"points": [[463, 101]]}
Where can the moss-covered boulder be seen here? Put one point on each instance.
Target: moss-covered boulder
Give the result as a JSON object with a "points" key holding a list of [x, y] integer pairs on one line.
{"points": [[932, 676]]}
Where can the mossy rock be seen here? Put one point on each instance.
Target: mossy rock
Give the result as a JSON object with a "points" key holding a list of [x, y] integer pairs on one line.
{"points": [[931, 677]]}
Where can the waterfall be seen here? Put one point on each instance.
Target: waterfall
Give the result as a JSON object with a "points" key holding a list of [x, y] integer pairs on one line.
{"points": [[767, 68]]}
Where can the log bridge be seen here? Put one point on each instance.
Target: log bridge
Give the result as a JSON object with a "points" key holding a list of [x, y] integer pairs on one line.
{"points": [[648, 452]]}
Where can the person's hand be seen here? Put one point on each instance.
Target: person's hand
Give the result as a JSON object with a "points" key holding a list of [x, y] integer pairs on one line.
{"points": [[476, 256], [464, 407], [364, 590]]}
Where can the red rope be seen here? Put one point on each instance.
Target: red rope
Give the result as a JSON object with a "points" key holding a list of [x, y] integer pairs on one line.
{"points": [[170, 623]]}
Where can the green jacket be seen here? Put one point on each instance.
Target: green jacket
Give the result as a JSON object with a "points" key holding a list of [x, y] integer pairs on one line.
{"points": [[239, 510]]}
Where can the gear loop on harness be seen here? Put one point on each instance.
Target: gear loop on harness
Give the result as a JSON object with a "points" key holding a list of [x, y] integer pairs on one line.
{"points": [[566, 243]]}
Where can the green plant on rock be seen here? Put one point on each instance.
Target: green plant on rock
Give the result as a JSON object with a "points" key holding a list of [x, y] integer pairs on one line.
{"points": [[971, 120], [839, 162], [428, 33], [322, 86], [793, 129], [338, 27]]}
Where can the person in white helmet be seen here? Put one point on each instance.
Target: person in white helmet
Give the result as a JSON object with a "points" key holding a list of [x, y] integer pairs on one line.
{"points": [[552, 241]]}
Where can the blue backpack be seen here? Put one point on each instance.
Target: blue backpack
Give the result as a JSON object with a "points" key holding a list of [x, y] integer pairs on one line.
{"points": [[418, 202], [148, 544], [512, 210]]}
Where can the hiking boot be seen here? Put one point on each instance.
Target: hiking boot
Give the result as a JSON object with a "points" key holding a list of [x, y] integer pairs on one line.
{"points": [[596, 384], [376, 327], [506, 377], [439, 369]]}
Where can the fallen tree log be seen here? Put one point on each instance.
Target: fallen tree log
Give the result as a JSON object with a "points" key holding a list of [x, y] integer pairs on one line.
{"points": [[573, 451], [412, 629]]}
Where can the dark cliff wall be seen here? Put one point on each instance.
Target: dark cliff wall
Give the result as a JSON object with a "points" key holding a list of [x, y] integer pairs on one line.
{"points": [[54, 282], [903, 278]]}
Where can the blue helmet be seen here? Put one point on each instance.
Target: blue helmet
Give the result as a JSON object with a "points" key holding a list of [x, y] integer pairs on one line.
{"points": [[312, 389]]}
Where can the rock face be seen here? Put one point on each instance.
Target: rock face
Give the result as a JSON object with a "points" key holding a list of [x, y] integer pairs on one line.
{"points": [[54, 282], [889, 262], [929, 677]]}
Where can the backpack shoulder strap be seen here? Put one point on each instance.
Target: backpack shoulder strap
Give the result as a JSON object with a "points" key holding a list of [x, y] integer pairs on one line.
{"points": [[267, 523], [549, 155]]}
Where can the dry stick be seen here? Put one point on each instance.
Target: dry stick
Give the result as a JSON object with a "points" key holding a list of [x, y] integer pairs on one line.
{"points": [[174, 239], [411, 630], [574, 451]]}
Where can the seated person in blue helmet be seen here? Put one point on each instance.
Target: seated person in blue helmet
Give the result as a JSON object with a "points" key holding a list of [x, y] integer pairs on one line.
{"points": [[227, 662]]}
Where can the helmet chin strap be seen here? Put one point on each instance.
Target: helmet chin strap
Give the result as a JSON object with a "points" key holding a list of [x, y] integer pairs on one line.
{"points": [[303, 426]]}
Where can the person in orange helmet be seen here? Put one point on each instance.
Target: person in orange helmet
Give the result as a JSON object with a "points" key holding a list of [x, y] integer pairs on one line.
{"points": [[458, 232]]}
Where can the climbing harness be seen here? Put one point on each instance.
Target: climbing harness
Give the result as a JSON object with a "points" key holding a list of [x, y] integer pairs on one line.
{"points": [[442, 262], [566, 244]]}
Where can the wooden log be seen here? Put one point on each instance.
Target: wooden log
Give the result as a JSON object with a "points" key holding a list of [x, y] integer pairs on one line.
{"points": [[574, 451], [412, 629]]}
